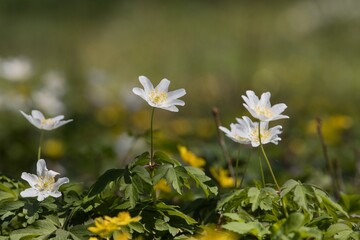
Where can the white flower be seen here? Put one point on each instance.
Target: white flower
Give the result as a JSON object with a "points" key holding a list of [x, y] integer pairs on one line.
{"points": [[15, 69], [237, 133], [261, 109], [247, 132], [159, 96], [43, 184], [38, 120]]}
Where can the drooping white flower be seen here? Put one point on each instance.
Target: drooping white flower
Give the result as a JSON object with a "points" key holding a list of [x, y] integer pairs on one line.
{"points": [[43, 184], [159, 96], [247, 132], [261, 108], [237, 133], [38, 120]]}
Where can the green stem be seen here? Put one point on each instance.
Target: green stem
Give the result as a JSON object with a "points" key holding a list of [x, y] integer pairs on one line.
{"points": [[151, 163], [261, 170], [269, 165], [40, 143], [237, 168]]}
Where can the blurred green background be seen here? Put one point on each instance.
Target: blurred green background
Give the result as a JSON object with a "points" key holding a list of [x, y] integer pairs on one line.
{"points": [[82, 59]]}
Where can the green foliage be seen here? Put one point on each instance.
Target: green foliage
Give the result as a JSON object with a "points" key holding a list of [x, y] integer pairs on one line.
{"points": [[297, 211]]}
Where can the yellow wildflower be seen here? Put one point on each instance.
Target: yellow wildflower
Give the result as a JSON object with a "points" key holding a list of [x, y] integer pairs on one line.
{"points": [[122, 236], [210, 234], [332, 127], [190, 157], [124, 218], [222, 176], [54, 148], [163, 186], [104, 226], [93, 238]]}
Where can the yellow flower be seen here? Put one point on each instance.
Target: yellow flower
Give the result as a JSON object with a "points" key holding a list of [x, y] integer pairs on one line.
{"points": [[222, 176], [190, 157], [210, 234], [54, 148], [104, 226], [332, 127], [93, 238], [122, 236], [163, 186], [124, 218]]}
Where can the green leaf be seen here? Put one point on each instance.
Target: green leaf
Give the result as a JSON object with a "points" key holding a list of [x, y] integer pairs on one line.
{"points": [[262, 198], [252, 228], [341, 231], [288, 186], [142, 173], [172, 178], [201, 179], [300, 197], [332, 207], [39, 228], [161, 157], [104, 180], [172, 211], [10, 206]]}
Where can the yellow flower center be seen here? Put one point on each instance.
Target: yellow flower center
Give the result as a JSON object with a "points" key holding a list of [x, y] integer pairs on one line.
{"points": [[47, 121], [46, 183], [157, 97], [264, 111], [264, 134]]}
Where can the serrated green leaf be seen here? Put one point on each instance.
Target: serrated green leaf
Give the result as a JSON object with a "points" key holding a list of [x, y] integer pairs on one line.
{"points": [[161, 157], [173, 179], [300, 197], [262, 198], [288, 186], [10, 206], [339, 231], [109, 176], [201, 180], [161, 225], [252, 228], [233, 216], [254, 198], [142, 173], [39, 228]]}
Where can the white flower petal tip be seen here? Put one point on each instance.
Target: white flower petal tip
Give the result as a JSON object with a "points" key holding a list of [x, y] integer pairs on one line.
{"points": [[43, 184], [38, 120], [246, 131], [159, 96], [261, 108]]}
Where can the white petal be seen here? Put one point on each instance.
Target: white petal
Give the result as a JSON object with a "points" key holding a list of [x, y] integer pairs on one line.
{"points": [[163, 85], [55, 194], [225, 130], [32, 179], [176, 94], [41, 196], [146, 84], [174, 102], [29, 192], [171, 108], [41, 168], [265, 100], [278, 108], [60, 182], [58, 118], [37, 114]]}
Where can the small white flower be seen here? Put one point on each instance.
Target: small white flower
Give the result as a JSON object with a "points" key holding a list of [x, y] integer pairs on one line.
{"points": [[261, 109], [247, 132], [38, 120], [159, 96], [43, 184], [15, 69], [237, 133]]}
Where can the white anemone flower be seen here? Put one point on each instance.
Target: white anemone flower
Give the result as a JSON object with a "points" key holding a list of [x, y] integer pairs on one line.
{"points": [[38, 120], [251, 131], [237, 133], [159, 96], [43, 184], [261, 108]]}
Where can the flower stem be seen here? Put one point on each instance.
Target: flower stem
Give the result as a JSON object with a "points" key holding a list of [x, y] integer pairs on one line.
{"points": [[261, 170], [269, 165], [151, 163], [40, 143]]}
